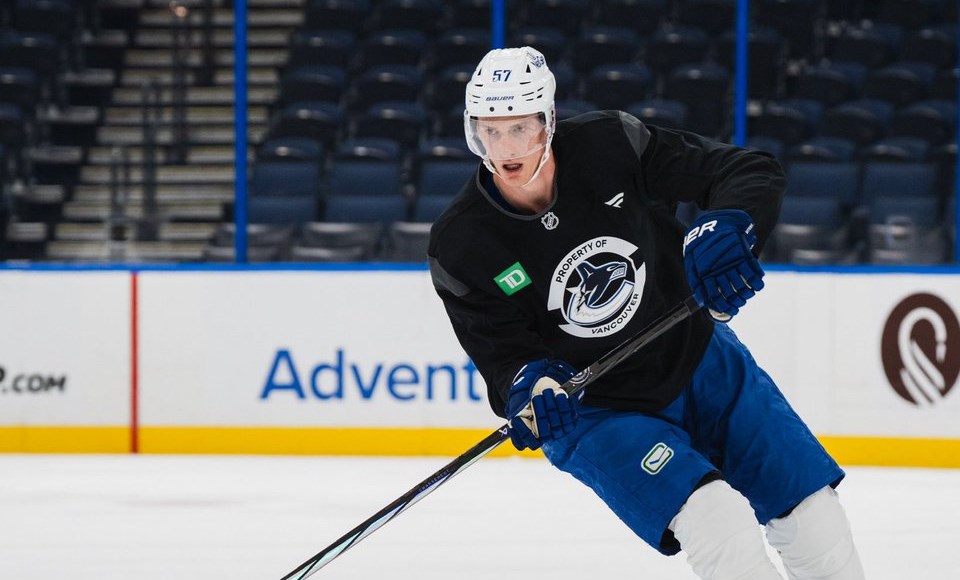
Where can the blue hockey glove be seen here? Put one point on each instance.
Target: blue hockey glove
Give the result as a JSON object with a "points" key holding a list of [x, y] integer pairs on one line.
{"points": [[537, 408], [718, 258]]}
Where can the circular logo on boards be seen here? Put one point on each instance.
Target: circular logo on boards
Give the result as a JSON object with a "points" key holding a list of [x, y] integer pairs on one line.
{"points": [[920, 349], [596, 287]]}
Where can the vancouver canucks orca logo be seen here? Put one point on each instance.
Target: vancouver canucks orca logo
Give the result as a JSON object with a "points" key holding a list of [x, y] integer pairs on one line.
{"points": [[597, 287], [602, 290]]}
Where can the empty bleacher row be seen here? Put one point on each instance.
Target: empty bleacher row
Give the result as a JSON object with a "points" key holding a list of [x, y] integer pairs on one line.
{"points": [[856, 98], [860, 107]]}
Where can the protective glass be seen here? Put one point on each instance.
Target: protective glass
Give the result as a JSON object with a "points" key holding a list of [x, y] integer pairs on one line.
{"points": [[504, 138]]}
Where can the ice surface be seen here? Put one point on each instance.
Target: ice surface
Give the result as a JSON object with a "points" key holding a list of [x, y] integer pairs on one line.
{"points": [[154, 517]]}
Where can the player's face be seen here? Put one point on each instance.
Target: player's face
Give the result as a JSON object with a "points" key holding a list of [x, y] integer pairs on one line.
{"points": [[514, 145]]}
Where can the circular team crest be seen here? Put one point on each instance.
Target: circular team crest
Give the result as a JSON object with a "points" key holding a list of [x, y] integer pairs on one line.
{"points": [[597, 287]]}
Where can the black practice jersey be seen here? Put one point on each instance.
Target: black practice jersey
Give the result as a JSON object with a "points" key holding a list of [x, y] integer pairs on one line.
{"points": [[600, 263]]}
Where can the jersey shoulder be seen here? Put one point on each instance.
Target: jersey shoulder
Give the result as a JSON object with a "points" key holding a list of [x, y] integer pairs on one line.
{"points": [[602, 133], [457, 221]]}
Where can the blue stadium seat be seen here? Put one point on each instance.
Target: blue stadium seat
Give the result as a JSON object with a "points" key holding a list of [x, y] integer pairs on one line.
{"points": [[313, 83], [463, 47], [811, 223], [922, 212], [945, 84], [675, 45], [423, 15], [367, 236], [906, 230], [837, 180], [443, 167], [766, 49], [644, 16], [572, 107], [258, 235], [319, 121], [409, 241], [790, 18], [932, 120], [817, 211], [660, 112], [862, 121], [446, 89], [449, 123], [396, 46], [366, 208], [901, 83], [563, 14], [771, 145], [325, 255], [614, 86], [403, 122], [384, 83], [823, 149], [429, 207], [349, 15], [790, 121], [566, 79], [550, 41], [897, 149], [829, 83], [322, 48], [713, 16], [603, 45], [908, 13], [255, 254], [287, 167], [468, 13], [897, 179], [288, 209], [936, 45], [872, 46], [945, 158], [705, 89], [363, 183]]}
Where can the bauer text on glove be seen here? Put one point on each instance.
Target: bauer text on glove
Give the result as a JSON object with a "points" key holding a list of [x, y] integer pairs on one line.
{"points": [[719, 262]]}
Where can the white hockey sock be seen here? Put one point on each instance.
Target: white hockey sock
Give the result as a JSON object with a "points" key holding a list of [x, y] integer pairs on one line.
{"points": [[814, 540], [718, 531]]}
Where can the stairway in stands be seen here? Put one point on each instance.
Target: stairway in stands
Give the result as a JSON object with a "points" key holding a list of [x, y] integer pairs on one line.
{"points": [[193, 145]]}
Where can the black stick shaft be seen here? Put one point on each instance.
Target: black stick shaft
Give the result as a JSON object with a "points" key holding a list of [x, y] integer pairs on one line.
{"points": [[489, 443]]}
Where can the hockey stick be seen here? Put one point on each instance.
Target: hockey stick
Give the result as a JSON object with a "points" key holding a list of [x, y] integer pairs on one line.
{"points": [[490, 442]]}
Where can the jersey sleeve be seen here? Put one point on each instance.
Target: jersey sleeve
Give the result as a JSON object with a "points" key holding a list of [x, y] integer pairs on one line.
{"points": [[682, 166], [494, 333]]}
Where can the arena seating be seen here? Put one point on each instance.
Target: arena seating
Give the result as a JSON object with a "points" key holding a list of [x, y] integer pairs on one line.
{"points": [[860, 98]]}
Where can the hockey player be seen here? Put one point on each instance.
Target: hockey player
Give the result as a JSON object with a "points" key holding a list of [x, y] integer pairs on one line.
{"points": [[565, 242]]}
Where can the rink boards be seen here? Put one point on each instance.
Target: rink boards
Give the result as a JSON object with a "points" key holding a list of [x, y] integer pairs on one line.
{"points": [[363, 361]]}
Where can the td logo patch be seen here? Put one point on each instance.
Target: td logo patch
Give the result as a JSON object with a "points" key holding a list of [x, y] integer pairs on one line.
{"points": [[513, 279], [597, 287]]}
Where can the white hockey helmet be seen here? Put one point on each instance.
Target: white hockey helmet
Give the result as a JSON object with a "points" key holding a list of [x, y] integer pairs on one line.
{"points": [[510, 82]]}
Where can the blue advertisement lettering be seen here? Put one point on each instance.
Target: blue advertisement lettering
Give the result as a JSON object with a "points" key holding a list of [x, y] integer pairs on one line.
{"points": [[343, 378]]}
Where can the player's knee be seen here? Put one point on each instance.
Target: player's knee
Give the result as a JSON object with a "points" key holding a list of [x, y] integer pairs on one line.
{"points": [[815, 541], [718, 531]]}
